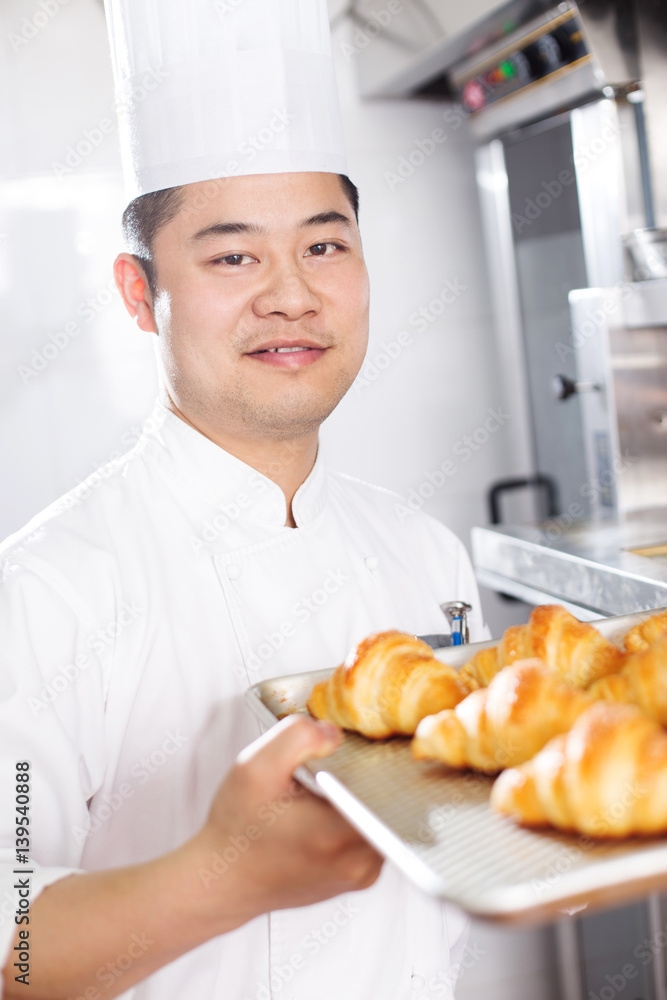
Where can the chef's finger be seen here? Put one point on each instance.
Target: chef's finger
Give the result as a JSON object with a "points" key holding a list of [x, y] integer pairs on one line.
{"points": [[294, 740]]}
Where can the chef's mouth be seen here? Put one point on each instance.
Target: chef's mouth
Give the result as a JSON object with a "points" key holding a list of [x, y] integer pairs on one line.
{"points": [[283, 350], [287, 357]]}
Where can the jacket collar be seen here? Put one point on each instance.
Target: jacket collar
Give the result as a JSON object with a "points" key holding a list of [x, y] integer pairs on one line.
{"points": [[195, 461]]}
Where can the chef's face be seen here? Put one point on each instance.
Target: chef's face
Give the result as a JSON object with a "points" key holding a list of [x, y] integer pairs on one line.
{"points": [[261, 304]]}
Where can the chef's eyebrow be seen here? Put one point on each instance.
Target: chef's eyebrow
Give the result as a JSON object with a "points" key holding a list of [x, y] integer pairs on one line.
{"points": [[325, 218], [229, 229], [252, 229]]}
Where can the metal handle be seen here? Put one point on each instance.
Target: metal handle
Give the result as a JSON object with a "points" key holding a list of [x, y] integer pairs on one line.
{"points": [[538, 481], [564, 387], [457, 613]]}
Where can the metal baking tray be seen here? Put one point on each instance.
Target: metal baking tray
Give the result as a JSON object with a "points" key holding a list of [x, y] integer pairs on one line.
{"points": [[436, 825]]}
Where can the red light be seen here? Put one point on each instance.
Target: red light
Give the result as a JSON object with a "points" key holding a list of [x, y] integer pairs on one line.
{"points": [[473, 95]]}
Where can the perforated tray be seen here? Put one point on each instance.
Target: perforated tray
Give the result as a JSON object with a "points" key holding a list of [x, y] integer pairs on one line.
{"points": [[435, 824]]}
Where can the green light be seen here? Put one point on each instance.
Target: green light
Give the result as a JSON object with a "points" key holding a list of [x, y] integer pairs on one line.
{"points": [[507, 69]]}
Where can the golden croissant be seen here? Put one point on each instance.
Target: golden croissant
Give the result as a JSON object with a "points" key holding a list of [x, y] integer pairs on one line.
{"points": [[641, 682], [606, 777], [387, 684], [576, 650], [646, 633], [523, 707]]}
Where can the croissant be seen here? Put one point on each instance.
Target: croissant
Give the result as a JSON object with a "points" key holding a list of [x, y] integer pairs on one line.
{"points": [[607, 777], [524, 706], [641, 682], [515, 644], [576, 650], [645, 634], [387, 684]]}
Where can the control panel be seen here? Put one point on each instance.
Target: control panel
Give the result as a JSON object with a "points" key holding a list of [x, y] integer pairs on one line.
{"points": [[554, 47]]}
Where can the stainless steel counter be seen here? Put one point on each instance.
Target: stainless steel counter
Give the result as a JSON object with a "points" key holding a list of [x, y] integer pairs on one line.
{"points": [[585, 565]]}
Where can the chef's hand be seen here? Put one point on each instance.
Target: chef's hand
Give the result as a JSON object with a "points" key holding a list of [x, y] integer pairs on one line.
{"points": [[272, 840]]}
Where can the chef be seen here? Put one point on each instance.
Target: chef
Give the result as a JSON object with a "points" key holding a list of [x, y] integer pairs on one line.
{"points": [[221, 551]]}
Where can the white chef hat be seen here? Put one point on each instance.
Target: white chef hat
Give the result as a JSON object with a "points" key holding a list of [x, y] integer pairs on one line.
{"points": [[216, 88]]}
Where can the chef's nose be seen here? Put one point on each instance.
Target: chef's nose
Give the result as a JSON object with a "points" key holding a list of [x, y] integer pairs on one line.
{"points": [[287, 292]]}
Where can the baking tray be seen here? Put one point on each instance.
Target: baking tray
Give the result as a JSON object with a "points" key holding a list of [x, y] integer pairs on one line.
{"points": [[436, 825]]}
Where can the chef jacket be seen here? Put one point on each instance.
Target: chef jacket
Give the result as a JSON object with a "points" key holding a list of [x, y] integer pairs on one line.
{"points": [[135, 612]]}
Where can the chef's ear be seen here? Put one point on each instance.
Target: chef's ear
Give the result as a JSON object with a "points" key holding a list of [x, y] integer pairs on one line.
{"points": [[135, 291]]}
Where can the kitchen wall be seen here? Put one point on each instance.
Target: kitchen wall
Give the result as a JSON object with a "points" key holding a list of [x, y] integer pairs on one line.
{"points": [[426, 417], [76, 378]]}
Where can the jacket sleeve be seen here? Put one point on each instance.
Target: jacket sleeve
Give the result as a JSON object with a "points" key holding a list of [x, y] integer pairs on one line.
{"points": [[52, 727]]}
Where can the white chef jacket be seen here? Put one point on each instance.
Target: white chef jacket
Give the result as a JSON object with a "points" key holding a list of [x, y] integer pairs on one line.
{"points": [[134, 613]]}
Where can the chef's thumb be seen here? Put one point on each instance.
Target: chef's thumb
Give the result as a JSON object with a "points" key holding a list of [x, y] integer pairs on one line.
{"points": [[296, 739]]}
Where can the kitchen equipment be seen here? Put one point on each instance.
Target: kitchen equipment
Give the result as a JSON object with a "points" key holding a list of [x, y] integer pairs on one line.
{"points": [[647, 249], [436, 641], [597, 567], [457, 613]]}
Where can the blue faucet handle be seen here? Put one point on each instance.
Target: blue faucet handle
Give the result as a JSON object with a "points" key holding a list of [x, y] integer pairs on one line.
{"points": [[457, 613]]}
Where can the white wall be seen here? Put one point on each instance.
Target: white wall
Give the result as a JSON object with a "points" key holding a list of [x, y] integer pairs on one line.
{"points": [[76, 379], [64, 414]]}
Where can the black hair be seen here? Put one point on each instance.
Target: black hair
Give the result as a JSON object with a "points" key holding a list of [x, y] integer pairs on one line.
{"points": [[146, 215]]}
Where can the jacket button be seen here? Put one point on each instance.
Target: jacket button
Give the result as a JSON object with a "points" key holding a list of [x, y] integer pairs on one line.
{"points": [[372, 563], [233, 571]]}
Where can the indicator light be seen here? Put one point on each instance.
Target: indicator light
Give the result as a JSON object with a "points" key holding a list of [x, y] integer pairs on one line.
{"points": [[473, 95]]}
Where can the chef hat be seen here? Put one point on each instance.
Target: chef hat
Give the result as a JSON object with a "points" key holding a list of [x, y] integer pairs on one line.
{"points": [[216, 88]]}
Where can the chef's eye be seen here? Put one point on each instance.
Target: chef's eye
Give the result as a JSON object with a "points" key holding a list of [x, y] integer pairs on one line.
{"points": [[234, 259], [322, 249]]}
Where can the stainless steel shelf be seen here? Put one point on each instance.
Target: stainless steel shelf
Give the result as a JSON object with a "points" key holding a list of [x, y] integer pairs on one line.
{"points": [[588, 565]]}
